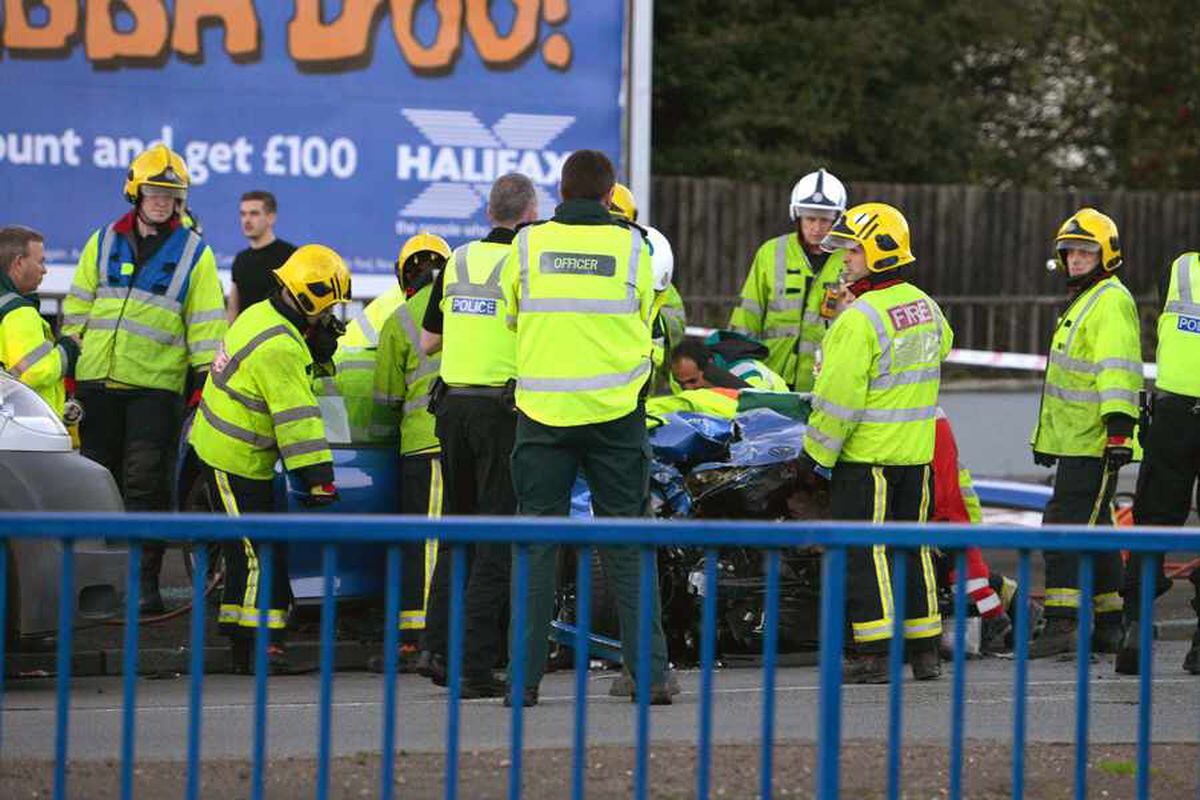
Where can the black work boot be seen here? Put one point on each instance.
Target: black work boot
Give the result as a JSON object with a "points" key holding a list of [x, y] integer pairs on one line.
{"points": [[1058, 638], [994, 635], [432, 666], [1191, 662], [475, 687], [1108, 636], [865, 668], [1129, 654], [151, 599], [241, 652], [925, 660], [528, 698]]}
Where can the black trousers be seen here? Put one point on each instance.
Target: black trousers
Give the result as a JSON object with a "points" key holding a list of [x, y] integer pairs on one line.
{"points": [[1083, 493], [239, 613], [1167, 483], [421, 494], [134, 434], [615, 458], [879, 494], [476, 434]]}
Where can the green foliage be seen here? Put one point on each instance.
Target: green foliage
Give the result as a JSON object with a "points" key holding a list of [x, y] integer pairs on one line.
{"points": [[1077, 93]]}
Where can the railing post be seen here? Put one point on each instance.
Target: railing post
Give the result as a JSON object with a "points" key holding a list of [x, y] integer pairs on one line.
{"points": [[328, 627], [196, 670], [647, 586], [266, 562], [708, 648], [458, 579], [516, 655], [829, 730], [391, 646], [62, 683], [1021, 657], [770, 649], [3, 616], [957, 703], [1087, 575], [1148, 566], [583, 618], [896, 671], [129, 666]]}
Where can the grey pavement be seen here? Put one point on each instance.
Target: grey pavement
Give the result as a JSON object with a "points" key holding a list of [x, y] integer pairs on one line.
{"points": [[28, 718]]}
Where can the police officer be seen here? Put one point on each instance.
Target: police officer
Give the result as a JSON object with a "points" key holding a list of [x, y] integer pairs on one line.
{"points": [[403, 377], [784, 298], [466, 322], [578, 290], [1168, 475], [258, 407], [148, 307], [668, 316], [874, 407], [1086, 423], [28, 350]]}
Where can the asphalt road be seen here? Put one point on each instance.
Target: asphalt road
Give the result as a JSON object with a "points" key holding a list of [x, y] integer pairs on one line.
{"points": [[28, 718]]}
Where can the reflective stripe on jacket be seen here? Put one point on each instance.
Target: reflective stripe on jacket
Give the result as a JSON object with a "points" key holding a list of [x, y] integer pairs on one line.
{"points": [[145, 325], [876, 397], [782, 300], [581, 296], [478, 348], [28, 351], [1179, 330], [404, 375], [1094, 369], [258, 404]]}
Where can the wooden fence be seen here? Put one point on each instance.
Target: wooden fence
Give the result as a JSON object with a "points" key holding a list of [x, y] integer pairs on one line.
{"points": [[982, 252]]}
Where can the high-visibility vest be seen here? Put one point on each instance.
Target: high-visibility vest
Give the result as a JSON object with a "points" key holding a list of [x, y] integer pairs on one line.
{"points": [[28, 351], [875, 401], [582, 296], [717, 402], [1179, 330], [258, 405], [144, 326], [404, 375], [1094, 369], [353, 381], [781, 303], [668, 328], [478, 348]]}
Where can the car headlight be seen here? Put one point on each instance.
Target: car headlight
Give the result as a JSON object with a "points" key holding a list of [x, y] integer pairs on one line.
{"points": [[27, 422]]}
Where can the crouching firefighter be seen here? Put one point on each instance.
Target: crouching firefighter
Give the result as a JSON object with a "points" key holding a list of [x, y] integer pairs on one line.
{"points": [[872, 431], [258, 407], [1086, 423]]}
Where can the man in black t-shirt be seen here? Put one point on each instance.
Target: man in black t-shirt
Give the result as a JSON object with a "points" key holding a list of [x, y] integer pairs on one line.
{"points": [[252, 268]]}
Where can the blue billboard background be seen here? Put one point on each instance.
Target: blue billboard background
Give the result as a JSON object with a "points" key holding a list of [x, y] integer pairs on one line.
{"points": [[360, 152]]}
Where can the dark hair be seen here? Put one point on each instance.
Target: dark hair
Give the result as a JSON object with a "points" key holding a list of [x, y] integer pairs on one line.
{"points": [[14, 243], [587, 175], [268, 199], [694, 350]]}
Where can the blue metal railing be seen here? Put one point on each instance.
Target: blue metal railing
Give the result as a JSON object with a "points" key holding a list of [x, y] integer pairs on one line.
{"points": [[330, 531]]}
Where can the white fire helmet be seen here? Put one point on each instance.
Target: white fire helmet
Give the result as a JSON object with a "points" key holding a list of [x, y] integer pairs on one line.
{"points": [[818, 194], [662, 259]]}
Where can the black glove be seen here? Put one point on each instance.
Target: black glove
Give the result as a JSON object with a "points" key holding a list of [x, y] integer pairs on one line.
{"points": [[321, 495], [812, 474], [70, 346], [1118, 452], [1044, 460], [323, 338]]}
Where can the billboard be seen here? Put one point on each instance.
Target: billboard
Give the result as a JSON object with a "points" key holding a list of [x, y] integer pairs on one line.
{"points": [[368, 119]]}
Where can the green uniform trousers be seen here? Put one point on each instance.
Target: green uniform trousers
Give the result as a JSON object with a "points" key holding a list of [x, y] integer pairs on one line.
{"points": [[615, 459]]}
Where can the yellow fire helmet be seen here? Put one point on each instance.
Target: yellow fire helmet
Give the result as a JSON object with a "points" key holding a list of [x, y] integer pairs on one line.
{"points": [[623, 205], [317, 277], [1088, 229], [879, 229], [421, 243], [157, 166]]}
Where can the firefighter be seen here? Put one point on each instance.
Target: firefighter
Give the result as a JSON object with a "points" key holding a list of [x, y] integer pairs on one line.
{"points": [[579, 292], [258, 407], [403, 377], [28, 350], [784, 298], [475, 424], [872, 430], [669, 317], [1086, 422], [149, 311], [1168, 474]]}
